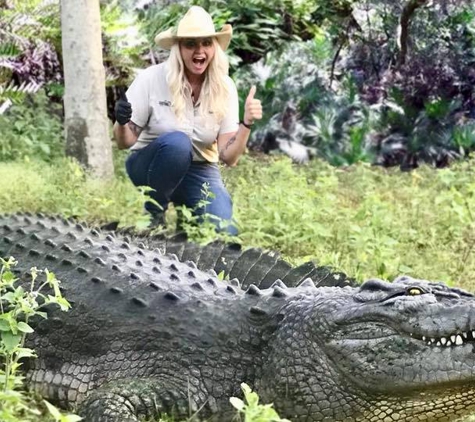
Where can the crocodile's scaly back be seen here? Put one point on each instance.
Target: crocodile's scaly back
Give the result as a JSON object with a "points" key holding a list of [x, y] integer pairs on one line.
{"points": [[252, 266], [148, 334], [137, 314]]}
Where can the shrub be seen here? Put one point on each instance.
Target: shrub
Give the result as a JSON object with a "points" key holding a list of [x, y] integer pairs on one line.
{"points": [[29, 47], [259, 26], [300, 108], [32, 130]]}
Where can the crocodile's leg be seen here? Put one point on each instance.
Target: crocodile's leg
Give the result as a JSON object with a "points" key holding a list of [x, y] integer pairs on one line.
{"points": [[127, 401]]}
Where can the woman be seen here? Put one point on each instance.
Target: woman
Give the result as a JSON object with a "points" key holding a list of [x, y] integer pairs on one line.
{"points": [[181, 117]]}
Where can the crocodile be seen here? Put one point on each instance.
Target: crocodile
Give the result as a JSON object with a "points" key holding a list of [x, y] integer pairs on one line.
{"points": [[150, 335]]}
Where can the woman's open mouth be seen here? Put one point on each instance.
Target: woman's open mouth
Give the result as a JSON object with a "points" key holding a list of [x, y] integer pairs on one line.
{"points": [[199, 61]]}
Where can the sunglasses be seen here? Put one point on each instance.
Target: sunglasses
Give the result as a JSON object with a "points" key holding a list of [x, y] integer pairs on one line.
{"points": [[192, 43]]}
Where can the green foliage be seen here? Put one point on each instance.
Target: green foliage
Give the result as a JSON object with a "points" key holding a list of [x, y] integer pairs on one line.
{"points": [[436, 134], [363, 220], [341, 128], [288, 75], [29, 42], [32, 130], [202, 228], [27, 19], [19, 303], [464, 138], [337, 125], [252, 410], [16, 94], [123, 44], [30, 48], [258, 25]]}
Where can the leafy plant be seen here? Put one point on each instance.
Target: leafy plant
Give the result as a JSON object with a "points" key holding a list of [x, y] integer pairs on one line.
{"points": [[19, 303], [464, 138], [32, 130], [291, 75], [29, 43], [409, 136], [333, 125], [341, 128], [202, 227], [252, 410], [30, 49]]}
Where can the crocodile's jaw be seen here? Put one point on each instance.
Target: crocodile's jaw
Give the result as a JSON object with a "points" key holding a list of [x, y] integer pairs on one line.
{"points": [[411, 358], [446, 407], [397, 364]]}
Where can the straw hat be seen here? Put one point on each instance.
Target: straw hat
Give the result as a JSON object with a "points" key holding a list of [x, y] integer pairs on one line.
{"points": [[197, 23]]}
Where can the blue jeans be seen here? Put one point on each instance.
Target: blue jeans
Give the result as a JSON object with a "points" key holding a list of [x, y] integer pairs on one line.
{"points": [[166, 166]]}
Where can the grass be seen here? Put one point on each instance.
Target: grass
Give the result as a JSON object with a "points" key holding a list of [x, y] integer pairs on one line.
{"points": [[366, 221]]}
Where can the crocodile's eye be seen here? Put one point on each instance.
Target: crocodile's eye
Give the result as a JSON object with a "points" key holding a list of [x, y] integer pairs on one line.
{"points": [[414, 291]]}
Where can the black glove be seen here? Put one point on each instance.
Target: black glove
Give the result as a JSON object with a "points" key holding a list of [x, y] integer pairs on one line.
{"points": [[123, 109]]}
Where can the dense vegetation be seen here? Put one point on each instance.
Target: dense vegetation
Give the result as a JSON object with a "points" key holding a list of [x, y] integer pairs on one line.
{"points": [[352, 80], [334, 77]]}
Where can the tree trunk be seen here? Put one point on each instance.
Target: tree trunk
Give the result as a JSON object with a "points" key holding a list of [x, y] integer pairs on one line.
{"points": [[403, 29], [86, 124]]}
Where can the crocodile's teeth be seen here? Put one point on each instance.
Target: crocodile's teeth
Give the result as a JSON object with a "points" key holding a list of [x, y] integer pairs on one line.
{"points": [[449, 343], [473, 334], [438, 343], [452, 338], [465, 335], [459, 341], [424, 338], [443, 340], [432, 340]]}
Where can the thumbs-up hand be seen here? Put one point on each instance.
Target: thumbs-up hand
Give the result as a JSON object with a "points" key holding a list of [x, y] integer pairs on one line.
{"points": [[123, 109], [252, 108]]}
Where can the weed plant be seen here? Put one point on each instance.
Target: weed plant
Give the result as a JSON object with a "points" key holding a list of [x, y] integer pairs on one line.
{"points": [[252, 410], [19, 303]]}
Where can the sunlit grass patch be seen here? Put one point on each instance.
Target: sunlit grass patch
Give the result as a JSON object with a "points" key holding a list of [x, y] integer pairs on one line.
{"points": [[366, 221]]}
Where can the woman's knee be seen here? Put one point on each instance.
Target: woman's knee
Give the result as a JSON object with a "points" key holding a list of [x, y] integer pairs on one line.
{"points": [[178, 142]]}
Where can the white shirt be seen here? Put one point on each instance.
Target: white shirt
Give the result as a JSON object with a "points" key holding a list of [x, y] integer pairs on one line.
{"points": [[151, 99]]}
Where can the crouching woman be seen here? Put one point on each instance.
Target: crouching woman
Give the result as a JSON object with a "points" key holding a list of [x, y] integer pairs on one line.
{"points": [[181, 117]]}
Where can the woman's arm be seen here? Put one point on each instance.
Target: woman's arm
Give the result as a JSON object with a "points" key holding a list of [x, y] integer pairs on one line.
{"points": [[126, 135], [232, 145]]}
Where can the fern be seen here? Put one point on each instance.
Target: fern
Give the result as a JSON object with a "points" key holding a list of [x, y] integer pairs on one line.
{"points": [[15, 94], [9, 49]]}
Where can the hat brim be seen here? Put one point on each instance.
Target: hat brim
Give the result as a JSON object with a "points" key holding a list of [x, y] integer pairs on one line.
{"points": [[166, 39]]}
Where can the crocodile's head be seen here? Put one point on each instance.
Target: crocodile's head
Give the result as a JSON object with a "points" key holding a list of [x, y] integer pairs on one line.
{"points": [[409, 346]]}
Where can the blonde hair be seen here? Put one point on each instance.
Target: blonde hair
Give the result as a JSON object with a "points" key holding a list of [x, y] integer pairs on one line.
{"points": [[214, 91]]}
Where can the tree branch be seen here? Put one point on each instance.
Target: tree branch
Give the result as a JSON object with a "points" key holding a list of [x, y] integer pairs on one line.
{"points": [[343, 39], [403, 29]]}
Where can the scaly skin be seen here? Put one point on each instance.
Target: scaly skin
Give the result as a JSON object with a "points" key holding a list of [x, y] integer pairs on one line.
{"points": [[150, 335]]}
